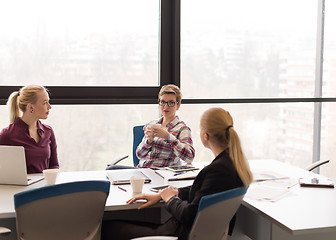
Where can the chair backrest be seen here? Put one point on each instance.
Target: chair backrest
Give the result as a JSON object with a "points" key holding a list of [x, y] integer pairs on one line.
{"points": [[215, 212], [138, 135], [64, 211], [4, 231], [315, 165]]}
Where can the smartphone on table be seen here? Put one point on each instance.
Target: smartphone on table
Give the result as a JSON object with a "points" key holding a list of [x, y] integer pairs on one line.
{"points": [[157, 189]]}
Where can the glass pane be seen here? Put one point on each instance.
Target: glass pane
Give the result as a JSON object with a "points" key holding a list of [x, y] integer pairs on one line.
{"points": [[243, 48], [329, 64], [4, 117], [282, 131], [267, 131], [93, 42], [328, 140], [89, 143], [85, 142]]}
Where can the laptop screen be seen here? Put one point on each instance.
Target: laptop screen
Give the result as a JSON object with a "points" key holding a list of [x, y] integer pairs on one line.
{"points": [[13, 170]]}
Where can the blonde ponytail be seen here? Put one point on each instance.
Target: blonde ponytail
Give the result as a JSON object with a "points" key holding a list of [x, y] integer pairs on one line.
{"points": [[12, 103], [218, 124], [19, 100], [238, 157]]}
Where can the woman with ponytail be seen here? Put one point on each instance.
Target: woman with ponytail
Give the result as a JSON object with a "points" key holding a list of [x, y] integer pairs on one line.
{"points": [[219, 135], [27, 106], [227, 171]]}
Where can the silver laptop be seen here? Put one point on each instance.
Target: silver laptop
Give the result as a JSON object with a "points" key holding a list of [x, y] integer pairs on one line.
{"points": [[13, 170], [123, 176]]}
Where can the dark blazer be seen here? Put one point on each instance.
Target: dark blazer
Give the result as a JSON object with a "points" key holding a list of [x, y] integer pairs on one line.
{"points": [[218, 176]]}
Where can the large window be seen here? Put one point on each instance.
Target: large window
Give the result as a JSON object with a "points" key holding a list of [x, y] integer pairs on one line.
{"points": [[243, 48], [282, 131], [252, 50], [90, 136], [74, 42], [272, 64], [328, 119], [328, 140]]}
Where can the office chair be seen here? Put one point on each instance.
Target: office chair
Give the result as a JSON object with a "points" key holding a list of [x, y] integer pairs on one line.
{"points": [[4, 231], [138, 135], [156, 238], [215, 212], [213, 217], [64, 211]]}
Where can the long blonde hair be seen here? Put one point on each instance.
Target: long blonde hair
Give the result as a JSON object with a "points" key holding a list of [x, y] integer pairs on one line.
{"points": [[218, 124], [19, 100]]}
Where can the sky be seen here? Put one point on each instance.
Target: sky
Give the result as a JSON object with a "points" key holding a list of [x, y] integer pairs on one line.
{"points": [[20, 17]]}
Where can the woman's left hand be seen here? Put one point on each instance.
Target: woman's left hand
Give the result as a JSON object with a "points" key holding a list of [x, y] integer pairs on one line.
{"points": [[150, 199], [168, 192], [159, 131]]}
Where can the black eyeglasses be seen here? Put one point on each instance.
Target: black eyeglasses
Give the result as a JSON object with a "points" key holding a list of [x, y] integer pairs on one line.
{"points": [[169, 103]]}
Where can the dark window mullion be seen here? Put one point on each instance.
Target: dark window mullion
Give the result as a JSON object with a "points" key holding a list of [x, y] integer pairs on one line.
{"points": [[170, 42]]}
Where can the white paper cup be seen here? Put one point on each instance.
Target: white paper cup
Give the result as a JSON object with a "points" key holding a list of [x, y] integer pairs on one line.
{"points": [[137, 184], [50, 175], [151, 124]]}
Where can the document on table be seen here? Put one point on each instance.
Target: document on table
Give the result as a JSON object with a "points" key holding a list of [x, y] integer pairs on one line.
{"points": [[271, 190], [171, 176], [267, 175], [267, 193]]}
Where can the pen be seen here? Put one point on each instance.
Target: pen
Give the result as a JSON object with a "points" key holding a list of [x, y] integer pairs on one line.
{"points": [[178, 173], [158, 173], [123, 189]]}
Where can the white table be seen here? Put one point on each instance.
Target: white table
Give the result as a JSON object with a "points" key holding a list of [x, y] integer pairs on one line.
{"points": [[116, 200], [305, 213], [116, 206]]}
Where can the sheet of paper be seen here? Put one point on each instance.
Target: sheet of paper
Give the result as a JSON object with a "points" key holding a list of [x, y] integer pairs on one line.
{"points": [[267, 175], [267, 193]]}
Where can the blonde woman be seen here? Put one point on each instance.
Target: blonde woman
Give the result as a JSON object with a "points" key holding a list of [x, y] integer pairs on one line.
{"points": [[27, 106], [228, 170]]}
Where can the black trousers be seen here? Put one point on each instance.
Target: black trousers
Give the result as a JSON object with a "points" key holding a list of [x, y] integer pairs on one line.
{"points": [[125, 230]]}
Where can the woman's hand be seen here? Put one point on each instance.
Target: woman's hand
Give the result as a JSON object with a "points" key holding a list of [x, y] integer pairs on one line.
{"points": [[159, 131], [168, 192], [148, 133], [150, 198]]}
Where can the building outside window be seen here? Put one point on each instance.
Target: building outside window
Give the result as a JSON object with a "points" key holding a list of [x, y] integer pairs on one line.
{"points": [[232, 50]]}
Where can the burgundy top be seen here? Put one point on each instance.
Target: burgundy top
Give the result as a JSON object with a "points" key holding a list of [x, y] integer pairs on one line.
{"points": [[39, 156]]}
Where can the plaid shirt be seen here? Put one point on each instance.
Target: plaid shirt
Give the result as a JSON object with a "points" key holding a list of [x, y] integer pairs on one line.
{"points": [[165, 152]]}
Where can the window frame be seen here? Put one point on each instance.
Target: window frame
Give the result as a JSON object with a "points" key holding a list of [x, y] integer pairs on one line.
{"points": [[169, 73]]}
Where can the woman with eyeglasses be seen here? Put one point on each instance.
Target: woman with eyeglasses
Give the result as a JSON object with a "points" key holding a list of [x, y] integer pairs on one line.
{"points": [[228, 170], [167, 141]]}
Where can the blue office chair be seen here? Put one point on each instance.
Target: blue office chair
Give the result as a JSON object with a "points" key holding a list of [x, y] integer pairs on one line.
{"points": [[138, 135], [64, 211], [214, 214]]}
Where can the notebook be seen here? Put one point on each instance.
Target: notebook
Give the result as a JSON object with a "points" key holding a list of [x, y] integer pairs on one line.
{"points": [[183, 168], [171, 176], [13, 170], [123, 176]]}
